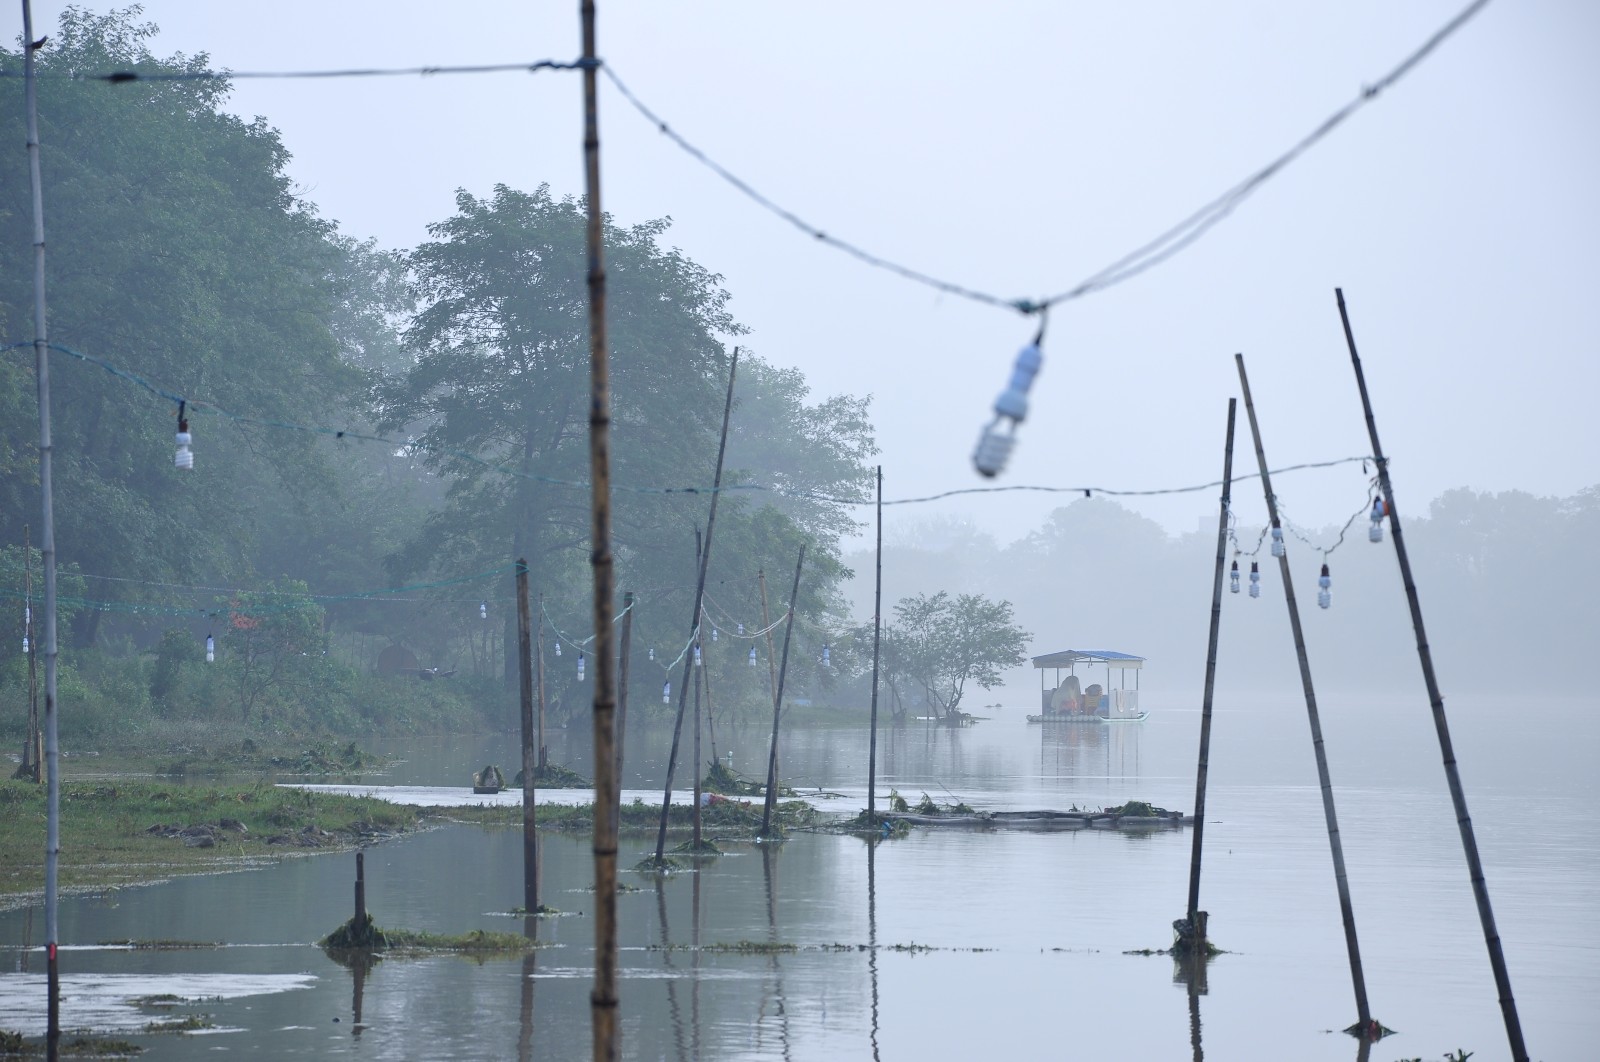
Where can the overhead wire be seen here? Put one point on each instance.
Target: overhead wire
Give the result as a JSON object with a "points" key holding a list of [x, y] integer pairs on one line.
{"points": [[125, 75]]}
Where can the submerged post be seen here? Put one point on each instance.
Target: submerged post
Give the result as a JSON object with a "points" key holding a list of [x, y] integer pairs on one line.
{"points": [[530, 840], [606, 1042], [877, 632], [1458, 797], [777, 704], [1195, 938], [361, 891], [1347, 912]]}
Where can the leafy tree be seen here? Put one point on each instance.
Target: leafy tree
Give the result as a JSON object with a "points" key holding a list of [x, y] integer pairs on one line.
{"points": [[497, 402], [274, 644], [939, 644]]}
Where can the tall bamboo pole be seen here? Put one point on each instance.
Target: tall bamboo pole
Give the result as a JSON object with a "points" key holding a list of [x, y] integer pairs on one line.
{"points": [[624, 657], [1458, 796], [699, 669], [538, 676], [1346, 910], [606, 1044], [47, 546], [530, 839], [699, 604], [1197, 928], [33, 742], [777, 704], [711, 715], [877, 633]]}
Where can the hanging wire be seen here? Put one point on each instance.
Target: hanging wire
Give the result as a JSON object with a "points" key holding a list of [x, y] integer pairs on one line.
{"points": [[1147, 256], [123, 76]]}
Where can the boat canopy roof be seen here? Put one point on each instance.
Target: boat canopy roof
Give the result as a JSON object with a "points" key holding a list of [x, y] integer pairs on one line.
{"points": [[1069, 657]]}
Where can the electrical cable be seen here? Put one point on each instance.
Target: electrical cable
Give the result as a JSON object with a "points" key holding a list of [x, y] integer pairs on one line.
{"points": [[124, 76]]}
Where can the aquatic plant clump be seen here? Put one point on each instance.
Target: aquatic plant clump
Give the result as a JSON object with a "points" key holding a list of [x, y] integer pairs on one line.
{"points": [[367, 937]]}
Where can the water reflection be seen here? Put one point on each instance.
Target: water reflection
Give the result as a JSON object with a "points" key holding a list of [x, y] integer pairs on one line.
{"points": [[359, 966], [775, 991], [872, 938], [530, 968], [1089, 750], [673, 1008], [1190, 971]]}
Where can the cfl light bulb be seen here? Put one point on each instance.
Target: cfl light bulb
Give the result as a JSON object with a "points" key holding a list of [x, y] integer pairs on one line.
{"points": [[1277, 541], [1375, 532], [697, 654], [1233, 578], [752, 656], [580, 667], [558, 648], [211, 649], [483, 610], [1011, 408], [1255, 579], [666, 692], [713, 634], [1324, 589], [824, 656], [184, 458]]}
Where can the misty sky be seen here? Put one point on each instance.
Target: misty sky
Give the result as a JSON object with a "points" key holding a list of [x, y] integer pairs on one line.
{"points": [[1017, 148]]}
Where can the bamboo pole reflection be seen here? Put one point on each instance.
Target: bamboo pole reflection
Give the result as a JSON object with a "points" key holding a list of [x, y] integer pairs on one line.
{"points": [[872, 937], [530, 929], [769, 858], [672, 982], [360, 966], [1190, 971]]}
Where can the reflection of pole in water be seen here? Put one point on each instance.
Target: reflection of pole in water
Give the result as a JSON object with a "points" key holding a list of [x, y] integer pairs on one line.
{"points": [[769, 856], [530, 929], [359, 968], [872, 936], [666, 958], [1190, 970], [694, 984]]}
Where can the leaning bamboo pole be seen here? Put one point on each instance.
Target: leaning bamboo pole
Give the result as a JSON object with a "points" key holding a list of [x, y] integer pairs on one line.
{"points": [[777, 704], [1458, 796], [1366, 1027]]}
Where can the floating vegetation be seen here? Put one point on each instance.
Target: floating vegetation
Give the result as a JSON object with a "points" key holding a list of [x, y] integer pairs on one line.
{"points": [[705, 847], [541, 910], [15, 1045], [555, 776], [738, 947], [898, 802], [651, 865], [1138, 809], [721, 778], [187, 1023], [367, 938], [161, 945]]}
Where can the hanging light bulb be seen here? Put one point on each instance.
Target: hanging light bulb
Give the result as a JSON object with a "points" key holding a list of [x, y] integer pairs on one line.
{"points": [[580, 667], [697, 654], [211, 649], [1324, 589], [1277, 541], [713, 634], [752, 656], [652, 654], [558, 647], [1011, 405], [824, 656], [184, 458], [1233, 578], [27, 625], [1375, 532], [483, 610], [666, 692], [1255, 579], [741, 630]]}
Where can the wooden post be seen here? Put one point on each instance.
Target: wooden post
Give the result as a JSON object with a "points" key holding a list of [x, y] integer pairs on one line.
{"points": [[530, 838], [777, 704], [538, 673], [623, 659], [1458, 797], [606, 1041], [1346, 911], [361, 892], [699, 603], [695, 846], [711, 716], [1196, 939], [877, 634]]}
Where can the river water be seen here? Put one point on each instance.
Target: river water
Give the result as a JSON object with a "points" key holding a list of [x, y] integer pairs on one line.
{"points": [[944, 944]]}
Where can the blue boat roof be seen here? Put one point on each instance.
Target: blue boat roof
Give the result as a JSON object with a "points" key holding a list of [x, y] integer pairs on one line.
{"points": [[1069, 657]]}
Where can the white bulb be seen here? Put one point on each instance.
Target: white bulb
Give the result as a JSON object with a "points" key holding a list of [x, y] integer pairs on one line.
{"points": [[580, 667], [558, 648], [752, 656], [184, 458], [1255, 580], [483, 609], [697, 654], [666, 692], [993, 450], [741, 628], [824, 655], [1324, 589], [1375, 532], [713, 634], [1233, 578], [1277, 542], [652, 654], [211, 649], [24, 645]]}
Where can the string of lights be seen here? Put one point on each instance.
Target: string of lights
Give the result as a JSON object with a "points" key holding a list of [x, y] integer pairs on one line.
{"points": [[125, 76], [1164, 246], [201, 406]]}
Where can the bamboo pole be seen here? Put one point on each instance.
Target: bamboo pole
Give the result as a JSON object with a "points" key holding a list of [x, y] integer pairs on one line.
{"points": [[33, 740], [530, 839], [695, 846], [699, 604], [47, 547], [624, 658], [877, 634], [777, 704], [1458, 797], [538, 677], [711, 715], [1346, 911], [606, 1043], [1197, 928]]}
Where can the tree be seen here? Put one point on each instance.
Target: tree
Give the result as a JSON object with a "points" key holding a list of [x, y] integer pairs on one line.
{"points": [[496, 399], [941, 643]]}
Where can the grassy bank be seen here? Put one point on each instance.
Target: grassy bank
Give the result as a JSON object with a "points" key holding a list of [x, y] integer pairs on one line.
{"points": [[128, 832]]}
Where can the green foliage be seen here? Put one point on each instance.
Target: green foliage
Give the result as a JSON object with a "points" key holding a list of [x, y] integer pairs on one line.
{"points": [[939, 644]]}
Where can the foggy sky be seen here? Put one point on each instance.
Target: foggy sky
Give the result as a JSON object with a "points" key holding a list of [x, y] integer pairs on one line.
{"points": [[1018, 148]]}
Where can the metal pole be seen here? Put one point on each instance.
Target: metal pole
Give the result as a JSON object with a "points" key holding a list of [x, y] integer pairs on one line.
{"points": [[699, 600], [1346, 911], [877, 634], [777, 704], [1196, 928], [1458, 797], [606, 1043], [530, 839], [47, 545]]}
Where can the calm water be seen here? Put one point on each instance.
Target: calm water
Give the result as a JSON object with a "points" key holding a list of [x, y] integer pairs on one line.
{"points": [[1028, 931]]}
